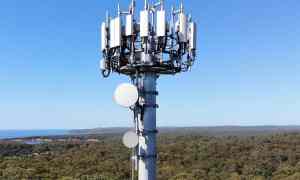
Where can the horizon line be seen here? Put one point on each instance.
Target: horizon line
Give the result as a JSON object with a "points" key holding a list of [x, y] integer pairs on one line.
{"points": [[108, 127]]}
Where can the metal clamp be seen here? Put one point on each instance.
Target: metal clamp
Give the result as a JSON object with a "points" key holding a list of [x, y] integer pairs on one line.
{"points": [[144, 156], [150, 105], [145, 132], [150, 92]]}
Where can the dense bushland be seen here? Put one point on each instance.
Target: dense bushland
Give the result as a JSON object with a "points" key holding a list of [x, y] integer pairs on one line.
{"points": [[181, 157]]}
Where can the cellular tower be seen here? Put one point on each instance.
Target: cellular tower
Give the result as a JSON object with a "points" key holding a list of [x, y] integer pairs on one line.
{"points": [[144, 46]]}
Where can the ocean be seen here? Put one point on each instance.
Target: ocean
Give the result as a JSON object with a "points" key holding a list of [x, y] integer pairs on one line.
{"points": [[5, 134]]}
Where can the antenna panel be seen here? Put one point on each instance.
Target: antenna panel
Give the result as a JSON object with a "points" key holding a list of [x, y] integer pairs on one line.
{"points": [[103, 36], [112, 33], [182, 28], [115, 32], [118, 31], [177, 26], [193, 35], [129, 25], [161, 23], [144, 23]]}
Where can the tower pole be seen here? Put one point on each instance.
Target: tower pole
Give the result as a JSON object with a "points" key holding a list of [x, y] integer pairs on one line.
{"points": [[147, 127]]}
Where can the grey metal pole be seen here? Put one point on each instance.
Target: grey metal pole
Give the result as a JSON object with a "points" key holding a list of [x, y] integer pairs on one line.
{"points": [[147, 127]]}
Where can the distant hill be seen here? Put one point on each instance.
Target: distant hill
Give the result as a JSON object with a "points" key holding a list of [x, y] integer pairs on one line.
{"points": [[208, 131]]}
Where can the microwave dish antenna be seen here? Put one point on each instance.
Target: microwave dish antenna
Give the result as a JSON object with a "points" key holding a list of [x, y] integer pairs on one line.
{"points": [[130, 139], [126, 95]]}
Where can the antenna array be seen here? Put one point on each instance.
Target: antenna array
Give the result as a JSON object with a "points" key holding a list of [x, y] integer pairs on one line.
{"points": [[154, 44]]}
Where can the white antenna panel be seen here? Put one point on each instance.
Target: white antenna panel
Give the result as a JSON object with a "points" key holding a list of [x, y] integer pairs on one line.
{"points": [[161, 23], [118, 31], [182, 28], [103, 36], [177, 26], [115, 32], [144, 23], [126, 95], [112, 33], [193, 35], [129, 25], [130, 139]]}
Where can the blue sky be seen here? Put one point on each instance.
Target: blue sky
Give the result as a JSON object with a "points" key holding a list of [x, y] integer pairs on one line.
{"points": [[247, 70]]}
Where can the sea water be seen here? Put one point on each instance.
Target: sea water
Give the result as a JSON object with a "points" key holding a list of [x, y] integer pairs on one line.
{"points": [[5, 134]]}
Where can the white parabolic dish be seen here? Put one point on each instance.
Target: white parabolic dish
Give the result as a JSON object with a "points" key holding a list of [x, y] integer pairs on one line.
{"points": [[126, 95], [130, 139]]}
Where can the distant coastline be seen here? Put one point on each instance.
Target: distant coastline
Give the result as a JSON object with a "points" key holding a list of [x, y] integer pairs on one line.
{"points": [[10, 134]]}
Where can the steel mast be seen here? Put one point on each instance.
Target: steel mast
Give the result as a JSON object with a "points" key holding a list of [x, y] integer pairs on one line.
{"points": [[143, 51], [146, 123]]}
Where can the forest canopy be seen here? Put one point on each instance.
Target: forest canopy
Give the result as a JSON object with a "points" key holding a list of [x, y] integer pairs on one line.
{"points": [[181, 157]]}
